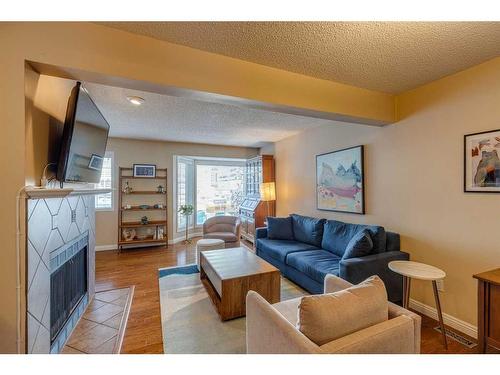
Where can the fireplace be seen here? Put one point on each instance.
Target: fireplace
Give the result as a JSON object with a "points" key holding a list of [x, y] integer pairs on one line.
{"points": [[68, 285], [60, 264]]}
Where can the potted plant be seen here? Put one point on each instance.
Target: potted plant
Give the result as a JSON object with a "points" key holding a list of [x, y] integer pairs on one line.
{"points": [[186, 210]]}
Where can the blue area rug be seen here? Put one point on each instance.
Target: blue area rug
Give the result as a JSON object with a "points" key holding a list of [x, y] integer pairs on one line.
{"points": [[183, 270]]}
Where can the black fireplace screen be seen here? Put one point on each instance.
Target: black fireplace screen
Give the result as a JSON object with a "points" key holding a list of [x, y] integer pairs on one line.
{"points": [[68, 285]]}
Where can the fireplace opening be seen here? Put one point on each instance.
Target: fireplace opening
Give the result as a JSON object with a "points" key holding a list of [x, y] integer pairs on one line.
{"points": [[68, 285]]}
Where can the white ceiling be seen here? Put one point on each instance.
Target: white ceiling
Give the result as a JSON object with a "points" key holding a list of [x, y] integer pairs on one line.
{"points": [[385, 56], [179, 119]]}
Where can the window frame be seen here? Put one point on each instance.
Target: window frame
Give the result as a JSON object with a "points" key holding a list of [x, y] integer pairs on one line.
{"points": [[198, 160], [109, 155]]}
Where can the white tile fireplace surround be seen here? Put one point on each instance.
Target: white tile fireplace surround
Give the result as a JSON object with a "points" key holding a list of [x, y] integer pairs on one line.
{"points": [[58, 229]]}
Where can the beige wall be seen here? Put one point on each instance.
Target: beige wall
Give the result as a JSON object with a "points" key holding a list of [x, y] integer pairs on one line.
{"points": [[128, 151], [414, 180]]}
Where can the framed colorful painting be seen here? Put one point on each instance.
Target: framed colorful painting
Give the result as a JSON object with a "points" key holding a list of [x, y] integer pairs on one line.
{"points": [[482, 162], [340, 181]]}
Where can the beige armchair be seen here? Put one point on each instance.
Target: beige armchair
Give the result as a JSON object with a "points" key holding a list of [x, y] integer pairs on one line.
{"points": [[225, 228], [271, 329]]}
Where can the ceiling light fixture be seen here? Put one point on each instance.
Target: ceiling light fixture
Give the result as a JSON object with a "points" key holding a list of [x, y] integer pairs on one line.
{"points": [[135, 100]]}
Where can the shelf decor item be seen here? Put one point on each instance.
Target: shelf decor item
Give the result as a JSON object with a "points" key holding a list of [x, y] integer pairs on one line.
{"points": [[186, 210], [160, 189], [145, 170], [482, 162], [127, 189], [340, 181], [135, 228]]}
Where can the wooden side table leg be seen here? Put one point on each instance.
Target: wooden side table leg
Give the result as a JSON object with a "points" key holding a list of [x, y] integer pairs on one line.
{"points": [[440, 314], [481, 291]]}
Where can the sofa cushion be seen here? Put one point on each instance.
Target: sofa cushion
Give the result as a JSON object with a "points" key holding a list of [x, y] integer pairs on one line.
{"points": [[361, 244], [327, 317], [279, 228], [307, 229], [315, 263], [337, 234], [279, 249]]}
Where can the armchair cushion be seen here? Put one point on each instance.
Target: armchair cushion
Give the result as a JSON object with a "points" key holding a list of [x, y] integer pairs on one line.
{"points": [[315, 263], [225, 236], [279, 249], [307, 229], [360, 245], [280, 228], [327, 317]]}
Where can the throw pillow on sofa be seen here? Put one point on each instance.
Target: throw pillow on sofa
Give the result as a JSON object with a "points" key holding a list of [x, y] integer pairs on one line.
{"points": [[279, 228], [359, 246], [327, 317], [337, 235], [307, 229]]}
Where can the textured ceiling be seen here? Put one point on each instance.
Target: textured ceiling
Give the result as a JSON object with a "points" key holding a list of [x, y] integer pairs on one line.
{"points": [[178, 119], [385, 56]]}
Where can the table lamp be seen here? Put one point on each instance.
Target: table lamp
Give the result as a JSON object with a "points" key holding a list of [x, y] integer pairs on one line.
{"points": [[267, 193]]}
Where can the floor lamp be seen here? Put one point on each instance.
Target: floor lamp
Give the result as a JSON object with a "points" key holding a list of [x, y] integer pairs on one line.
{"points": [[267, 193]]}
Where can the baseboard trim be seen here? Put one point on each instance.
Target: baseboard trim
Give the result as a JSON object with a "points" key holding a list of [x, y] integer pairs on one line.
{"points": [[449, 320], [170, 242], [106, 247], [180, 239]]}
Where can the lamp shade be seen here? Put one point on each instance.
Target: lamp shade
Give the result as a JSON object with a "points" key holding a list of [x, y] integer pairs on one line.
{"points": [[267, 191]]}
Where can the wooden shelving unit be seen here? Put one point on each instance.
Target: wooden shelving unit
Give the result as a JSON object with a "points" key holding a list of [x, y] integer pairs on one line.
{"points": [[128, 218]]}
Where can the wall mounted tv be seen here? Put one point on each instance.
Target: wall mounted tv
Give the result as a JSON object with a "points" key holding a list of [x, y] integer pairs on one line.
{"points": [[84, 139]]}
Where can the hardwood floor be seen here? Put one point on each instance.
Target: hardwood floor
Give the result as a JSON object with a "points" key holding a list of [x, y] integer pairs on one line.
{"points": [[139, 267]]}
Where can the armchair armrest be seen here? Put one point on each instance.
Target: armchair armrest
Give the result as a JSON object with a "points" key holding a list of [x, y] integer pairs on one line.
{"points": [[260, 233], [237, 228], [356, 270], [396, 311], [268, 332]]}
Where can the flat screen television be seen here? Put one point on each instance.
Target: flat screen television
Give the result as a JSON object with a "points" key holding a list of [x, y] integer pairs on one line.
{"points": [[84, 139]]}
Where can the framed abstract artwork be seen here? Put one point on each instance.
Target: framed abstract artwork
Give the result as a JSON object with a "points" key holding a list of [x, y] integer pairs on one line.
{"points": [[340, 181], [482, 162]]}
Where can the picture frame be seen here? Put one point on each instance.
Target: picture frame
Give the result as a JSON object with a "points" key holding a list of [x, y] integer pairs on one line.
{"points": [[144, 170], [340, 182], [482, 162], [95, 162]]}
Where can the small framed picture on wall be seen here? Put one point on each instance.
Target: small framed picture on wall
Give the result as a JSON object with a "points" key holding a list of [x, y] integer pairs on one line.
{"points": [[482, 162], [145, 170]]}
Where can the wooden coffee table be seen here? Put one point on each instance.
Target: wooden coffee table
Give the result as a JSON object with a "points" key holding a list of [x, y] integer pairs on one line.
{"points": [[229, 274]]}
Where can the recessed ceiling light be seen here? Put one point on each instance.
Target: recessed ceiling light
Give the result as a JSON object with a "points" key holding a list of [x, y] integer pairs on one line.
{"points": [[135, 100]]}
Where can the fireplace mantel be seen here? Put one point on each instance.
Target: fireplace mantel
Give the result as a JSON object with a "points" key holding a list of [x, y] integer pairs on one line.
{"points": [[35, 192]]}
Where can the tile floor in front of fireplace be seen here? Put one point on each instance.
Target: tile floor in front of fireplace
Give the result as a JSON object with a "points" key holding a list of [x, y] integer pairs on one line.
{"points": [[101, 328]]}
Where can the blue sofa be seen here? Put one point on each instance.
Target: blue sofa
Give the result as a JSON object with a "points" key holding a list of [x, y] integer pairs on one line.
{"points": [[315, 247]]}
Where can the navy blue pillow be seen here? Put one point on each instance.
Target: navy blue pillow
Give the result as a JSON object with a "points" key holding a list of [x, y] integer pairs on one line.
{"points": [[359, 246], [307, 229], [279, 228]]}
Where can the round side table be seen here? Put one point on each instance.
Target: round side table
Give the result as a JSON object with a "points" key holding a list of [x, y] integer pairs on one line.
{"points": [[205, 244], [414, 270]]}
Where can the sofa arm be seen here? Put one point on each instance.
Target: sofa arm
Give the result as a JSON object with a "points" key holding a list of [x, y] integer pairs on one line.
{"points": [[356, 270], [260, 233], [268, 332]]}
